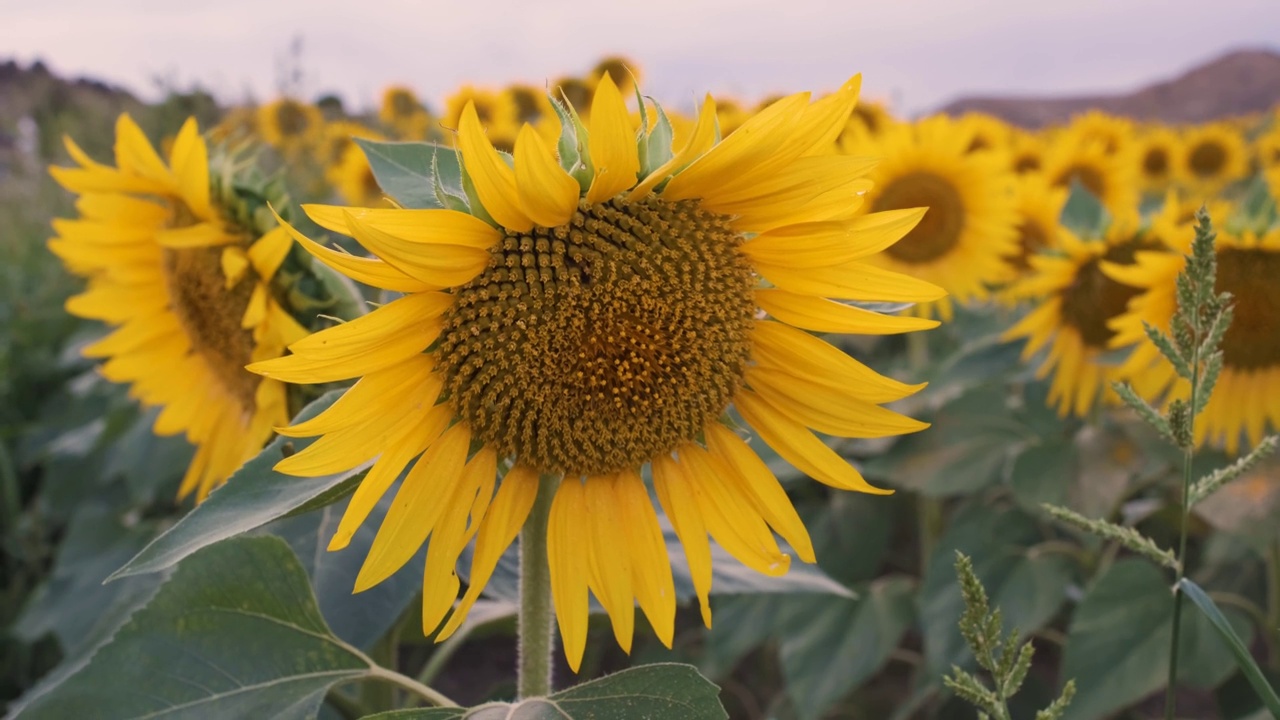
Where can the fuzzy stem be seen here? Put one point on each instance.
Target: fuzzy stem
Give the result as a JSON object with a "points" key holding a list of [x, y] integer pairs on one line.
{"points": [[536, 610], [929, 517], [1188, 454], [1273, 602]]}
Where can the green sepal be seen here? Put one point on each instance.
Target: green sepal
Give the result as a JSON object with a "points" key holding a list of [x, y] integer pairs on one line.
{"points": [[575, 155], [469, 188]]}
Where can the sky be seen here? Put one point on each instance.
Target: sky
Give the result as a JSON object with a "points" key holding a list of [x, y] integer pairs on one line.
{"points": [[914, 54]]}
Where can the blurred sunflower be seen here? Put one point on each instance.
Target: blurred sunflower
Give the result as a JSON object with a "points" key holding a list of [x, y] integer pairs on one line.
{"points": [[1246, 398], [969, 229], [354, 180], [1026, 152], [1078, 301], [188, 286], [1266, 149], [1214, 155], [289, 125], [604, 320], [623, 71], [1111, 177], [1112, 133], [495, 111], [529, 104], [404, 113], [871, 116], [987, 132], [338, 137], [1038, 206], [730, 115], [1158, 150], [576, 91]]}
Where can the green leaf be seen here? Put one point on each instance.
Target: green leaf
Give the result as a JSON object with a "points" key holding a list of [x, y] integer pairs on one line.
{"points": [[1027, 586], [1044, 473], [829, 646], [1244, 659], [1084, 214], [234, 633], [1118, 642], [661, 690], [403, 170], [742, 623], [252, 497]]}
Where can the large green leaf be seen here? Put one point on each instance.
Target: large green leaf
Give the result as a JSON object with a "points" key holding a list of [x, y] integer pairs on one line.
{"points": [[1028, 587], [404, 170], [252, 497], [1118, 642], [649, 692], [851, 533], [828, 646], [358, 618], [234, 633]]}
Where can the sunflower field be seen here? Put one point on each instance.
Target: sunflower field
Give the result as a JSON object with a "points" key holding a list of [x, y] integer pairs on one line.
{"points": [[401, 414]]}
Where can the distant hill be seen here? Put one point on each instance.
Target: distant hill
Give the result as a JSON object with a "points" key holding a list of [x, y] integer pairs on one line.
{"points": [[1237, 83]]}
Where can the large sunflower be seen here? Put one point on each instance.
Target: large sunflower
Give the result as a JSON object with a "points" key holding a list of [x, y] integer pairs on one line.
{"points": [[969, 229], [1247, 396], [1214, 155], [189, 289], [1077, 300], [605, 317]]}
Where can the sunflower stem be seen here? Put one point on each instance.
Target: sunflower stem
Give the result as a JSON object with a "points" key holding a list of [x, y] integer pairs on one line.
{"points": [[536, 610], [1273, 602], [929, 518]]}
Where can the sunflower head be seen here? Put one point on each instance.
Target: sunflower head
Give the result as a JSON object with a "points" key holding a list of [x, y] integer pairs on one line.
{"points": [[290, 125], [594, 311], [1039, 205], [1157, 152], [986, 132], [494, 109], [969, 228], [1214, 155], [354, 179], [624, 72], [1112, 134], [181, 257], [1075, 157], [1026, 153], [404, 114]]}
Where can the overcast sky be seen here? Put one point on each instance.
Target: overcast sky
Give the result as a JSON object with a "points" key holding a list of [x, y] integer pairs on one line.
{"points": [[917, 54]]}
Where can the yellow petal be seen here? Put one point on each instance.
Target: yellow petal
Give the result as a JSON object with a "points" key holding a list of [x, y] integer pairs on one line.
{"points": [[824, 411], [190, 161], [134, 153], [608, 562], [440, 581], [430, 226], [269, 251], [567, 547], [682, 510], [800, 447], [494, 181], [402, 448], [548, 194], [370, 271], [763, 490], [779, 347], [440, 263], [234, 264], [417, 506], [612, 143], [650, 565], [819, 244], [362, 402], [850, 281], [729, 517], [501, 524], [822, 315], [202, 235]]}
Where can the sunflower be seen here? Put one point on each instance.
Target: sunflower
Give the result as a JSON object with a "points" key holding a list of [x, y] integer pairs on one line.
{"points": [[493, 109], [1077, 300], [1266, 149], [987, 132], [529, 104], [338, 137], [1246, 398], [871, 116], [289, 125], [576, 91], [1112, 177], [404, 113], [590, 318], [1038, 205], [1157, 150], [969, 228], [1113, 134], [626, 72], [1214, 155], [354, 180], [189, 290], [1026, 152]]}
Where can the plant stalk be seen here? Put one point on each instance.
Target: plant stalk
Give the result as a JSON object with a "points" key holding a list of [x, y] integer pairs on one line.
{"points": [[1273, 603], [1188, 454], [929, 517], [536, 641]]}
